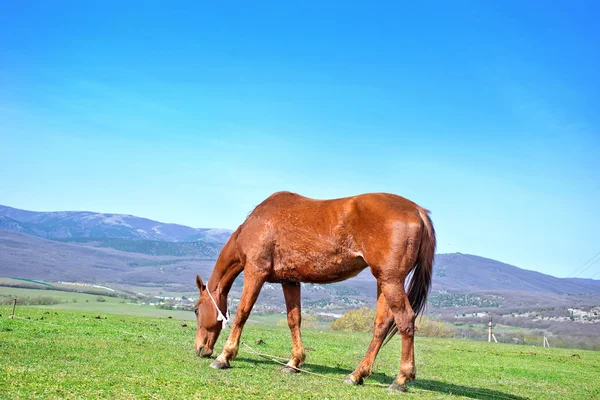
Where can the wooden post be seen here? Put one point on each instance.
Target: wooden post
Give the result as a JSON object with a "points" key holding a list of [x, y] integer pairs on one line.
{"points": [[12, 314], [490, 331]]}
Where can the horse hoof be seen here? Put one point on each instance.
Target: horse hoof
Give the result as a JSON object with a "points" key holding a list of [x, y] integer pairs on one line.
{"points": [[395, 387], [350, 381], [217, 364], [290, 370]]}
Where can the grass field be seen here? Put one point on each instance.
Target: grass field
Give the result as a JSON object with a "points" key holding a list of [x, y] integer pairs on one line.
{"points": [[6, 282], [114, 305], [71, 354]]}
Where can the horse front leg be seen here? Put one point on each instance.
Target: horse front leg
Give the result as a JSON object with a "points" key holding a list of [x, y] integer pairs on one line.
{"points": [[291, 293], [383, 322], [252, 285]]}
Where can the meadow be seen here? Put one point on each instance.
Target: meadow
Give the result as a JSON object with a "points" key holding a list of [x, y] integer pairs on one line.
{"points": [[51, 352], [112, 305]]}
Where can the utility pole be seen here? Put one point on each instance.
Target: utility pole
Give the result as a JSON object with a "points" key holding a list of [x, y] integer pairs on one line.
{"points": [[490, 333], [546, 343]]}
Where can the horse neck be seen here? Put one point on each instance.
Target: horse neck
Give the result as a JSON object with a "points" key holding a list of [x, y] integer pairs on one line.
{"points": [[227, 268]]}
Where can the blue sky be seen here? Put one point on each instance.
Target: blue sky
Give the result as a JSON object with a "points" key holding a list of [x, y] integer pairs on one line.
{"points": [[484, 112]]}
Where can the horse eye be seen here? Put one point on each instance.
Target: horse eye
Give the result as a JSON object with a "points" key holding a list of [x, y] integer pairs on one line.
{"points": [[196, 311]]}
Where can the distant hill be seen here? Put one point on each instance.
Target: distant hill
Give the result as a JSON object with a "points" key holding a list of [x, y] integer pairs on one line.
{"points": [[200, 248], [130, 253], [31, 257], [85, 224], [467, 273], [115, 248], [141, 262]]}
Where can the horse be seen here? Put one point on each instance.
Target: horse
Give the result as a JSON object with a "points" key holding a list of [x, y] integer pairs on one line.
{"points": [[289, 238]]}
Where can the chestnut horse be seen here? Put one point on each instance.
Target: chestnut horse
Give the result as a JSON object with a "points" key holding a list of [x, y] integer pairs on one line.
{"points": [[290, 239]]}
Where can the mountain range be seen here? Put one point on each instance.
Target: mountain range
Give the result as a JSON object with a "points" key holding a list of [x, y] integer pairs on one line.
{"points": [[85, 224], [124, 249]]}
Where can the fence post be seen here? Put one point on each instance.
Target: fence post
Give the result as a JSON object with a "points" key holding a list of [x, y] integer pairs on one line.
{"points": [[12, 314]]}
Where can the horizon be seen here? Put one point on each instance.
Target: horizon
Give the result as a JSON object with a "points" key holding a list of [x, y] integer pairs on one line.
{"points": [[485, 114]]}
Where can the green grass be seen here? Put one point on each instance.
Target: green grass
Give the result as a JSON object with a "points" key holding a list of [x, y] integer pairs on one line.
{"points": [[115, 305], [71, 354], [87, 302], [31, 284], [58, 294]]}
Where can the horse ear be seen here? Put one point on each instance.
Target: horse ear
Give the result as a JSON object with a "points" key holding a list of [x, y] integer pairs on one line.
{"points": [[200, 284]]}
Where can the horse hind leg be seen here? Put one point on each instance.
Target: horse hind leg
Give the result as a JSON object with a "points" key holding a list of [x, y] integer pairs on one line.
{"points": [[383, 323], [404, 317], [391, 279], [291, 292]]}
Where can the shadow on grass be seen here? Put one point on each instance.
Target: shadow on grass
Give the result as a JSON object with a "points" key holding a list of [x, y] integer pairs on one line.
{"points": [[419, 384], [464, 391]]}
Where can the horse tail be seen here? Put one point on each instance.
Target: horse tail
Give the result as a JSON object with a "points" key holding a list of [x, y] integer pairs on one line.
{"points": [[420, 282]]}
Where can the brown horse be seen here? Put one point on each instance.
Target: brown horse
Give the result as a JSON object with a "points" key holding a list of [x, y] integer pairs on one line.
{"points": [[289, 239]]}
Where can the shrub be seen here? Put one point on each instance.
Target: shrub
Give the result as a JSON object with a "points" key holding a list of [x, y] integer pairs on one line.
{"points": [[360, 320], [167, 305], [433, 328], [100, 299]]}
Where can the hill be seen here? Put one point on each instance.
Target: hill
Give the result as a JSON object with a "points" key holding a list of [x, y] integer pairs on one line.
{"points": [[85, 224], [126, 233], [467, 273], [110, 260], [36, 258], [116, 249], [200, 248]]}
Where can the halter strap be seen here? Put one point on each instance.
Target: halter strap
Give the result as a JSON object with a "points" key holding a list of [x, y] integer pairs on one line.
{"points": [[220, 317]]}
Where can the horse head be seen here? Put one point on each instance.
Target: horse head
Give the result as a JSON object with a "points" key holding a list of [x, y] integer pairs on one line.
{"points": [[209, 320]]}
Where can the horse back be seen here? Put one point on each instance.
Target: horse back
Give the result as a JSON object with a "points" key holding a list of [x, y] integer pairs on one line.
{"points": [[296, 238]]}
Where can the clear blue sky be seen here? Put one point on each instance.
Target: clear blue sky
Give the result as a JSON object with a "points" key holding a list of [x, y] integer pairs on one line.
{"points": [[487, 113]]}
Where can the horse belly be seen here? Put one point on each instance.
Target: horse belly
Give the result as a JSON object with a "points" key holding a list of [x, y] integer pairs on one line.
{"points": [[316, 267]]}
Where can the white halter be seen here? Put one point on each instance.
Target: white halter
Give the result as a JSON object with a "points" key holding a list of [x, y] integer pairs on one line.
{"points": [[220, 317]]}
